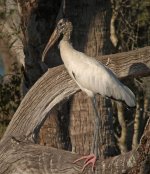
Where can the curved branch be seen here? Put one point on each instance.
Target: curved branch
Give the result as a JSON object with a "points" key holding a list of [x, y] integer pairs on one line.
{"points": [[56, 85], [53, 87], [129, 64]]}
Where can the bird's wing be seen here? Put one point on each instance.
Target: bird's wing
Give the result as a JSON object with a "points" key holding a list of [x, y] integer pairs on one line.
{"points": [[94, 76]]}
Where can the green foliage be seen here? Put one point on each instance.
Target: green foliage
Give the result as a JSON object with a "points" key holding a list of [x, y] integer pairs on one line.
{"points": [[10, 96], [2, 9], [133, 26], [2, 15], [10, 92]]}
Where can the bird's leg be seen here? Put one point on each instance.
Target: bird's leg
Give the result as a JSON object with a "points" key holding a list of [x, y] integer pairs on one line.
{"points": [[91, 159], [108, 61], [94, 149]]}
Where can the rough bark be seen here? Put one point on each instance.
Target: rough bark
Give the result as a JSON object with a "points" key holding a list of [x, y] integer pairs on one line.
{"points": [[11, 33], [18, 154]]}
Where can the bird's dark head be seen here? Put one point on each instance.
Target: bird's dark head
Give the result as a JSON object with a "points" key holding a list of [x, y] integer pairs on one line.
{"points": [[63, 27]]}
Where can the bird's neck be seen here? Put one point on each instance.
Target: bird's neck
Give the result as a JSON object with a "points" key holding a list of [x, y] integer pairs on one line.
{"points": [[66, 37], [66, 50], [65, 45]]}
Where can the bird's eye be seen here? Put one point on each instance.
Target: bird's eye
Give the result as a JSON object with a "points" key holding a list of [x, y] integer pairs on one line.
{"points": [[61, 25]]}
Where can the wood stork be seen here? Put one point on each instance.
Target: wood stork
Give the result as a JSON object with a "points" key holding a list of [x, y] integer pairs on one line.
{"points": [[92, 77]]}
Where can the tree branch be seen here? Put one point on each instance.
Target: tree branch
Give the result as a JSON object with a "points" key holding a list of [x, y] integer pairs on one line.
{"points": [[129, 64], [55, 85]]}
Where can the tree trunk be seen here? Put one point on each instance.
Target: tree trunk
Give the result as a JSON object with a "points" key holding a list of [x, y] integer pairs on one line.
{"points": [[38, 21], [11, 34], [90, 35]]}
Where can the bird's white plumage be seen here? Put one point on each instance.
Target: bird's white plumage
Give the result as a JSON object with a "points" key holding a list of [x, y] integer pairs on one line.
{"points": [[92, 76]]}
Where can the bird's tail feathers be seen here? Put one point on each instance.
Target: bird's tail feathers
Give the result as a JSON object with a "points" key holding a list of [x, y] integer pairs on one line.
{"points": [[129, 97]]}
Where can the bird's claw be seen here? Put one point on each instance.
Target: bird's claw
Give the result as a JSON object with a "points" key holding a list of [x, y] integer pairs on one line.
{"points": [[88, 159]]}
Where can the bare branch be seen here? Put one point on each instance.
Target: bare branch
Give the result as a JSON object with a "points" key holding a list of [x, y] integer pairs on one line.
{"points": [[122, 139]]}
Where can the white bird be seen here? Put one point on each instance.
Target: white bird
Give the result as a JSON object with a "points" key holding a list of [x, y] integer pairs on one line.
{"points": [[91, 76]]}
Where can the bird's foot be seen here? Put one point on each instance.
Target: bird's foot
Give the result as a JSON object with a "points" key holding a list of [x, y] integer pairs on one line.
{"points": [[89, 159]]}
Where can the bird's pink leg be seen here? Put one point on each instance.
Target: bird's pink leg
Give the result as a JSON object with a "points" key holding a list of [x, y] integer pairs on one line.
{"points": [[89, 159]]}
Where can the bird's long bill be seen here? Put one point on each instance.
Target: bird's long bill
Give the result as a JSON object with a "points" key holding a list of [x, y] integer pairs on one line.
{"points": [[54, 37]]}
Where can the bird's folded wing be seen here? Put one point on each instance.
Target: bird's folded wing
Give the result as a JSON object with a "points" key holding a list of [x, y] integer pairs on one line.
{"points": [[95, 77]]}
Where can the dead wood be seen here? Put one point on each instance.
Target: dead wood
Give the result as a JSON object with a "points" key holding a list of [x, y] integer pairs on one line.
{"points": [[18, 152]]}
